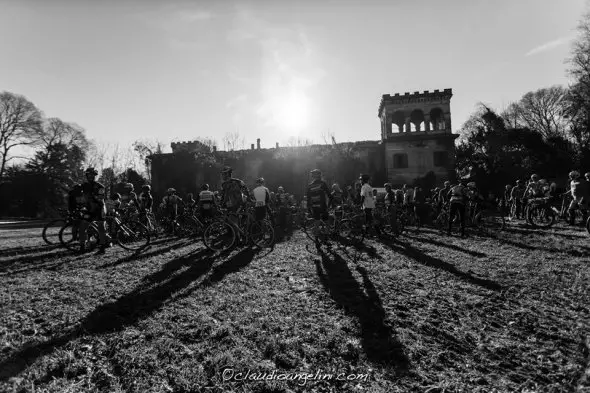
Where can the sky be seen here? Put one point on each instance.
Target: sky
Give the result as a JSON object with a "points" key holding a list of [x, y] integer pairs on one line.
{"points": [[275, 70]]}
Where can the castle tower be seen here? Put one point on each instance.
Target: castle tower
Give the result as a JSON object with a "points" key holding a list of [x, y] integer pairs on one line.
{"points": [[416, 132]]}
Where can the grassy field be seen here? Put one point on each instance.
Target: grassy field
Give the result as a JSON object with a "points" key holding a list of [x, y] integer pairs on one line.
{"points": [[423, 313]]}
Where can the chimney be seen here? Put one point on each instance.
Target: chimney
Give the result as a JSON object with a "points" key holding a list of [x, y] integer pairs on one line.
{"points": [[258, 143], [252, 146], [277, 145]]}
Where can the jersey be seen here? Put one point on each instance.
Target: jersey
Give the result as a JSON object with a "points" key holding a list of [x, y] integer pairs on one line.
{"points": [[318, 195], [517, 192], [171, 201], [232, 192], [389, 199], [458, 194], [76, 198], [578, 188], [206, 199], [94, 194], [337, 198], [533, 189], [369, 200], [408, 196], [261, 196], [146, 201], [443, 195], [283, 199]]}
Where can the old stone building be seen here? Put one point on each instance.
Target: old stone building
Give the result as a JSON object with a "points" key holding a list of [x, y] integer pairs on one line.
{"points": [[416, 134], [416, 139]]}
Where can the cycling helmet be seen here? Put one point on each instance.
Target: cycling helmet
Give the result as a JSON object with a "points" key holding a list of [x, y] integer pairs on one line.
{"points": [[260, 180], [534, 177], [280, 189], [587, 175], [170, 190], [227, 169], [116, 196], [335, 187], [91, 171], [447, 183], [387, 185], [146, 187], [574, 174], [508, 186], [519, 181], [205, 187], [316, 172]]}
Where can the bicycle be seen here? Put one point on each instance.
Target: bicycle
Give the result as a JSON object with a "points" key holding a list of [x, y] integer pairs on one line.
{"points": [[50, 232], [232, 228], [540, 213]]}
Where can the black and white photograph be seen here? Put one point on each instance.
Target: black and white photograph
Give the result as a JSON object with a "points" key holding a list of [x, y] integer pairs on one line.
{"points": [[274, 196]]}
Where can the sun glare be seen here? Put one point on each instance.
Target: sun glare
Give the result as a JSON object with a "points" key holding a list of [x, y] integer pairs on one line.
{"points": [[294, 112]]}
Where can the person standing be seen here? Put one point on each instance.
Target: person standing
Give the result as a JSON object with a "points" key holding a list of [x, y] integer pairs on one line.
{"points": [[458, 196], [95, 210], [368, 201], [261, 200]]}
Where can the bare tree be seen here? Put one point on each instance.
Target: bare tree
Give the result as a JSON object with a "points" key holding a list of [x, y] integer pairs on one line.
{"points": [[56, 131], [541, 110], [233, 141], [580, 59], [20, 125], [146, 148]]}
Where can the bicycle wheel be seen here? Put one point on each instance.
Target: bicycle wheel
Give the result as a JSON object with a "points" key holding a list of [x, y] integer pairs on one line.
{"points": [[490, 221], [133, 236], [51, 230], [262, 234], [219, 236], [69, 237], [541, 216]]}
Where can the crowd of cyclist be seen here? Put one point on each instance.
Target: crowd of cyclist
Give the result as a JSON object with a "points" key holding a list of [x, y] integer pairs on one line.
{"points": [[89, 201]]}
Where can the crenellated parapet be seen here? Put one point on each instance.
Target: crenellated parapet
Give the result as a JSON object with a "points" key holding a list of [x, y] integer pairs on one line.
{"points": [[414, 98]]}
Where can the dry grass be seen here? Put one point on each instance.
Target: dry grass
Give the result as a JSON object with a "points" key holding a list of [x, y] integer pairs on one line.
{"points": [[422, 313]]}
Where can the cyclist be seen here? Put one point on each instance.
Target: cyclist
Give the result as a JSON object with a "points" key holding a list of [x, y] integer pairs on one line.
{"points": [[76, 202], [170, 203], [391, 206], [113, 204], [190, 201], [532, 189], [146, 200], [516, 196], [318, 198], [419, 202], [337, 197], [261, 200], [206, 202], [579, 197], [443, 194], [232, 191], [506, 199], [458, 196], [95, 210], [283, 203], [368, 201]]}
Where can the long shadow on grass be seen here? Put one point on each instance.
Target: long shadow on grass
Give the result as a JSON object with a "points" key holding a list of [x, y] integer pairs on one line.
{"points": [[448, 245], [19, 251], [580, 251], [427, 260], [8, 264], [378, 339], [149, 252], [114, 316]]}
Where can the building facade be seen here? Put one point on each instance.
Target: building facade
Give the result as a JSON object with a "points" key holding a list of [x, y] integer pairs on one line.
{"points": [[416, 139], [417, 135]]}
